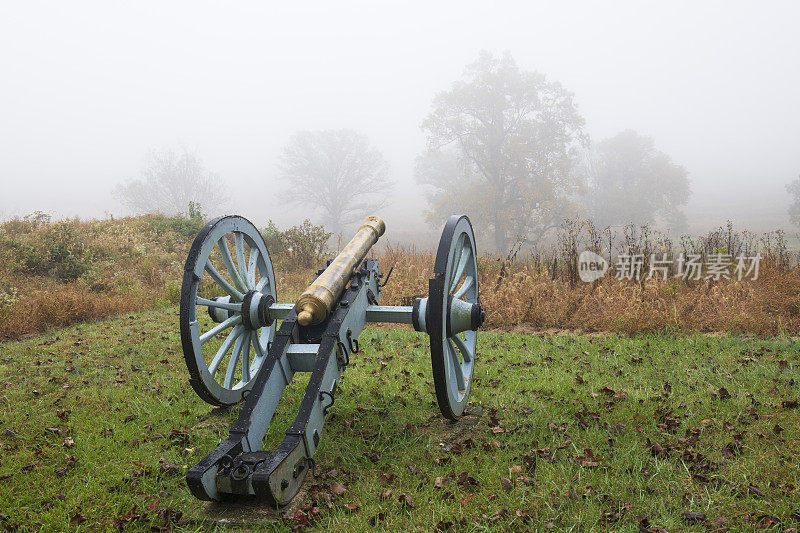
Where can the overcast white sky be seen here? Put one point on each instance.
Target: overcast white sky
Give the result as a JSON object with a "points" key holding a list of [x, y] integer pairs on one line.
{"points": [[87, 88]]}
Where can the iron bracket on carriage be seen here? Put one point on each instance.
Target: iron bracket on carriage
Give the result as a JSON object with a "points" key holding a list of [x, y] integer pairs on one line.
{"points": [[235, 351]]}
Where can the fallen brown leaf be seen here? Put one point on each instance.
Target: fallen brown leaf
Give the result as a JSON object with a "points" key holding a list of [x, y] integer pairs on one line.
{"points": [[405, 500], [694, 517], [380, 517]]}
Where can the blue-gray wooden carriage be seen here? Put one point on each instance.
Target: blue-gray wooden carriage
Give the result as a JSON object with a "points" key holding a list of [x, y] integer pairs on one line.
{"points": [[235, 352]]}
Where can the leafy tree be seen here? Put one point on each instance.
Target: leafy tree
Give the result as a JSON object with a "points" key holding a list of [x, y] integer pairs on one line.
{"points": [[793, 189], [173, 183], [336, 173], [630, 181], [502, 147]]}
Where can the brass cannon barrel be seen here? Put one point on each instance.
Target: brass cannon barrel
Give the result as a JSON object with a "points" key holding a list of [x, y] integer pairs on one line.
{"points": [[316, 302]]}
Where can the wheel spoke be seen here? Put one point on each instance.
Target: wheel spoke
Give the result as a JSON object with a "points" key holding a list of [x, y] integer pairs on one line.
{"points": [[236, 307], [222, 282], [238, 240], [457, 370], [251, 268], [466, 354], [226, 258], [246, 358], [457, 253], [263, 282], [226, 345], [222, 326], [468, 281], [463, 259], [257, 345], [237, 350]]}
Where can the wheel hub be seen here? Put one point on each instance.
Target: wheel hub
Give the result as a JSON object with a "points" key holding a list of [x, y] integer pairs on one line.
{"points": [[219, 314], [462, 316], [255, 310]]}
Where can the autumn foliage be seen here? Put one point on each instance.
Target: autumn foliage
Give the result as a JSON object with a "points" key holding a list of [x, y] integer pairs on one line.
{"points": [[56, 273]]}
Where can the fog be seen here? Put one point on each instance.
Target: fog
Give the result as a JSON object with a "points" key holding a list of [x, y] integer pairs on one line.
{"points": [[88, 88]]}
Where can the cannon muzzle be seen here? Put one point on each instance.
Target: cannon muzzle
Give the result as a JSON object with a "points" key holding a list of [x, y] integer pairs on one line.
{"points": [[317, 301]]}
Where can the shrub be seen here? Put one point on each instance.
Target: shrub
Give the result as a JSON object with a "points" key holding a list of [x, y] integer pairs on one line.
{"points": [[55, 250], [179, 224], [29, 259], [301, 246], [66, 253], [172, 292], [195, 211], [8, 298], [27, 224], [272, 237]]}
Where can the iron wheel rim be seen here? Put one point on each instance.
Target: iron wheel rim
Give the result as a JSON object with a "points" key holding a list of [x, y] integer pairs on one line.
{"points": [[455, 275]]}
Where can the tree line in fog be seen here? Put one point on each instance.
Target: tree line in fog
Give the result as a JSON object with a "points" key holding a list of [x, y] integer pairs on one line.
{"points": [[506, 146]]}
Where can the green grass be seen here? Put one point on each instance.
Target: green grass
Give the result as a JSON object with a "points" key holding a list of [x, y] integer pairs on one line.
{"points": [[565, 419]]}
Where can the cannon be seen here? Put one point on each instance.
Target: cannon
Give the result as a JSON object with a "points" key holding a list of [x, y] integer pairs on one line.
{"points": [[235, 351]]}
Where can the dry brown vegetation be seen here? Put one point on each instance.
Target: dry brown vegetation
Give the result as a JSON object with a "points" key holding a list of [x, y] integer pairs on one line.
{"points": [[56, 273], [767, 306], [521, 292]]}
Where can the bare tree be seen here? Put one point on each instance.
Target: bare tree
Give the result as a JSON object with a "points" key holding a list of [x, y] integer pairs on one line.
{"points": [[171, 181], [335, 173], [630, 181]]}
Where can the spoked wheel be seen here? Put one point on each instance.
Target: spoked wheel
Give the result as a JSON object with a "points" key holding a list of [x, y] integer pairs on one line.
{"points": [[453, 315], [228, 286]]}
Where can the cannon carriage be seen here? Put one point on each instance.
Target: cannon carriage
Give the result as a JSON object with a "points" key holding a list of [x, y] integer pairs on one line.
{"points": [[235, 351]]}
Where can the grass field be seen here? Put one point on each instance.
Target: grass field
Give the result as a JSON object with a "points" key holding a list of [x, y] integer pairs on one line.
{"points": [[635, 433]]}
